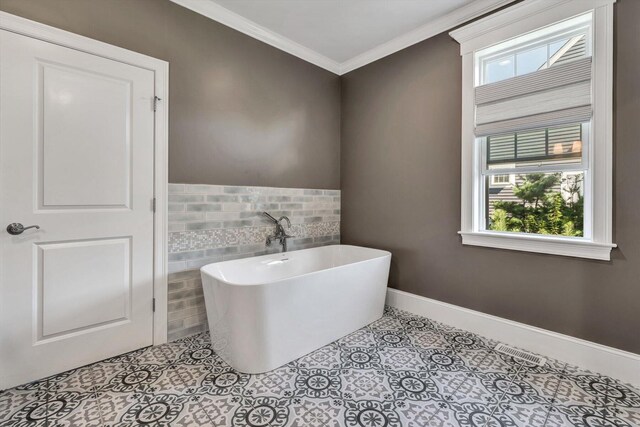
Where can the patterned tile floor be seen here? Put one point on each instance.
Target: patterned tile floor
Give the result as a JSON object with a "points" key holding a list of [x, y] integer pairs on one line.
{"points": [[402, 370]]}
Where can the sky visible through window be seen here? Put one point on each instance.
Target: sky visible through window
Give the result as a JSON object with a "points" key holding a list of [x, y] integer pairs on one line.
{"points": [[524, 61]]}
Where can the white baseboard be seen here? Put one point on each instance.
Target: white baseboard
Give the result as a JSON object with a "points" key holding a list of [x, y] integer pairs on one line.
{"points": [[619, 364]]}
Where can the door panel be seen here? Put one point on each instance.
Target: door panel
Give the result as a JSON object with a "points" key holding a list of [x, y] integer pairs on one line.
{"points": [[89, 115], [94, 274], [76, 158]]}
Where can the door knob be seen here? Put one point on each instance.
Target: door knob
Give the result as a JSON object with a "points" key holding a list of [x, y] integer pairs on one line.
{"points": [[17, 228]]}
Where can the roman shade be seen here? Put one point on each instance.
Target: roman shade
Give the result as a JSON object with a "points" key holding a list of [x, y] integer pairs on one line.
{"points": [[557, 95]]}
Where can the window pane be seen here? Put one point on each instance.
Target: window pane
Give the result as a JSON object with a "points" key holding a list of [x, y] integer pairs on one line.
{"points": [[550, 146], [499, 69], [532, 144], [501, 148], [537, 203], [542, 56], [573, 48], [554, 47], [565, 141], [531, 60]]}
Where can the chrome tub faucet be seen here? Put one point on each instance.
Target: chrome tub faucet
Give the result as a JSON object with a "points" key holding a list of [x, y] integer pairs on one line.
{"points": [[279, 234]]}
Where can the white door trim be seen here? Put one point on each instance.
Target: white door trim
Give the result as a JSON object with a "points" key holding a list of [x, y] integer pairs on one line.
{"points": [[616, 363], [160, 68]]}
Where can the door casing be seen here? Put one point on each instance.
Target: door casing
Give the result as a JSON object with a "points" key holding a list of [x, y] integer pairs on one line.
{"points": [[160, 69]]}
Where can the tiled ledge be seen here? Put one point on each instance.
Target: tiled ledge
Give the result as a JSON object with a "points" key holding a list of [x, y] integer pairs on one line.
{"points": [[193, 249]]}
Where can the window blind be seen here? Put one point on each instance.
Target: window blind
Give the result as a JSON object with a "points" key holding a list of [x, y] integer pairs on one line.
{"points": [[550, 97]]}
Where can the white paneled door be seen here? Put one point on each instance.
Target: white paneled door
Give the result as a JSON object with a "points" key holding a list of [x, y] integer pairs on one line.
{"points": [[77, 160]]}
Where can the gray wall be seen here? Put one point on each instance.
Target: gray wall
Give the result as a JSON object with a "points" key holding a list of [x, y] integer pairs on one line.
{"points": [[241, 112], [401, 191]]}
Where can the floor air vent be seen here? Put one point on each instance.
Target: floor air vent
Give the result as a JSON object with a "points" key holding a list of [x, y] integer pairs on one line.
{"points": [[519, 354]]}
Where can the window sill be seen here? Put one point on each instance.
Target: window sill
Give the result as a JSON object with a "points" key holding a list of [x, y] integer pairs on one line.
{"points": [[540, 244]]}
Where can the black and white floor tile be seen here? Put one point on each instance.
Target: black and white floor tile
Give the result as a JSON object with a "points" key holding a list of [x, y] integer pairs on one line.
{"points": [[402, 370]]}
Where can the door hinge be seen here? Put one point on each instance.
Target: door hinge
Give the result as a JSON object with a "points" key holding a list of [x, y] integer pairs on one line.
{"points": [[156, 99], [153, 205], [153, 305]]}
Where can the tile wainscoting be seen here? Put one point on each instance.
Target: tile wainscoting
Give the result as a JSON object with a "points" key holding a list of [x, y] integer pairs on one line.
{"points": [[211, 223]]}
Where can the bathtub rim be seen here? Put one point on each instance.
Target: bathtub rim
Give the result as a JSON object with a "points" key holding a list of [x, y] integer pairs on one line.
{"points": [[383, 254]]}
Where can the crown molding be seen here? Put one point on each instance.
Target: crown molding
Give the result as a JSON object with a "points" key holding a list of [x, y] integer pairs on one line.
{"points": [[435, 27], [239, 23], [226, 17]]}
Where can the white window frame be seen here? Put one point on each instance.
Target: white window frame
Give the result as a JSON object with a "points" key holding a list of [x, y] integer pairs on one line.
{"points": [[507, 24]]}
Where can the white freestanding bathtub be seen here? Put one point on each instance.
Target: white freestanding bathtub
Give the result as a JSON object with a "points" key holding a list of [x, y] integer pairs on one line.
{"points": [[266, 311]]}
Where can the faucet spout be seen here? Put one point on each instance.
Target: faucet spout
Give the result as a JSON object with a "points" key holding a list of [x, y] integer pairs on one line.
{"points": [[286, 219]]}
